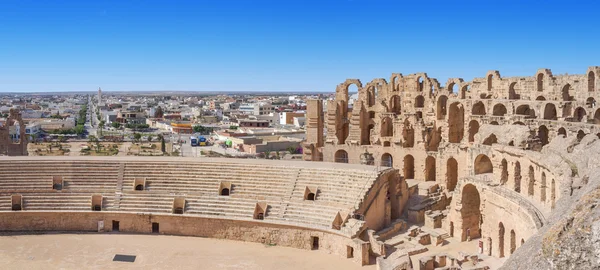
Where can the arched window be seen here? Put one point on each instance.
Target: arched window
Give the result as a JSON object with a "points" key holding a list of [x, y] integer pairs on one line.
{"points": [[225, 192], [478, 109], [504, 175], [409, 167], [540, 82], [430, 168], [483, 164], [531, 186], [550, 112], [341, 156], [591, 81], [419, 102], [499, 110], [565, 92], [518, 177]]}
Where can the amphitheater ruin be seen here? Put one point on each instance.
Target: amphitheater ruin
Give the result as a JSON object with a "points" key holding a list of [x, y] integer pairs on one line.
{"points": [[495, 172]]}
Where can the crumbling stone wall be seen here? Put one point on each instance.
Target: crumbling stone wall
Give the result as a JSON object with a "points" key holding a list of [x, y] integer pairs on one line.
{"points": [[7, 146]]}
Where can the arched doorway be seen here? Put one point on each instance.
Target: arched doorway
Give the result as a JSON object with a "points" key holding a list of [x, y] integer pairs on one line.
{"points": [[430, 168], [579, 115], [552, 193], [478, 109], [456, 122], [563, 132], [441, 107], [387, 160], [501, 240], [513, 241], [473, 129], [504, 175], [409, 167], [419, 102], [451, 174], [483, 164], [341, 156], [531, 184], [395, 106], [565, 92], [550, 112], [543, 188], [470, 212], [543, 134], [387, 128], [518, 177], [499, 110]]}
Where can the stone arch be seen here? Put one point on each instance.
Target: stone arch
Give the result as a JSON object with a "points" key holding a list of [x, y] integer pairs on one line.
{"points": [[501, 240], [590, 102], [562, 131], [395, 104], [409, 167], [490, 140], [525, 110], [473, 129], [543, 134], [597, 115], [519, 123], [478, 109], [540, 82], [512, 94], [517, 177], [387, 127], [341, 156], [456, 122], [550, 112], [543, 188], [580, 135], [387, 160], [343, 129], [430, 168], [513, 241], [591, 81], [490, 79], [420, 83], [483, 164], [419, 101], [470, 212], [451, 174], [531, 183], [371, 96], [453, 88], [580, 114], [464, 90], [565, 93], [494, 123], [499, 110], [504, 174], [441, 107], [408, 134], [540, 98]]}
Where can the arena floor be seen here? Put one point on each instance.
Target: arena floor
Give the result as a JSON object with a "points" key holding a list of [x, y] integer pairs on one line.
{"points": [[96, 251]]}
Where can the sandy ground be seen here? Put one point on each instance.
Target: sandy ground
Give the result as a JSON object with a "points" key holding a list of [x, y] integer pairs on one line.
{"points": [[96, 251]]}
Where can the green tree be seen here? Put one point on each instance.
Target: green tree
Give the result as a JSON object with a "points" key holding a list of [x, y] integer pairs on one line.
{"points": [[163, 147], [116, 124], [137, 137], [79, 130], [292, 150], [149, 138], [92, 139]]}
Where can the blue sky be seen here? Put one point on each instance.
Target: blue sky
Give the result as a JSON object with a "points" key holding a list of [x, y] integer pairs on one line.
{"points": [[285, 45]]}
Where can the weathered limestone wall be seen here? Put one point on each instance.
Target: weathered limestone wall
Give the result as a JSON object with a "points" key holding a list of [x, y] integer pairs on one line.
{"points": [[260, 232]]}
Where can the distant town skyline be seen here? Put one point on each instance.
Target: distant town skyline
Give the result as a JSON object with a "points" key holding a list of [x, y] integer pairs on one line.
{"points": [[304, 46]]}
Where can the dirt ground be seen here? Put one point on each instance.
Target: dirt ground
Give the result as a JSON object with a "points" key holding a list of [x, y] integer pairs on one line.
{"points": [[96, 251]]}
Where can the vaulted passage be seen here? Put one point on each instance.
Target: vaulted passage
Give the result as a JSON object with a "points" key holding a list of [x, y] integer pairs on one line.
{"points": [[499, 110], [473, 129], [550, 112], [504, 175], [517, 177], [430, 168], [501, 240], [478, 109], [451, 174], [470, 212], [456, 123], [409, 167], [483, 164], [341, 156]]}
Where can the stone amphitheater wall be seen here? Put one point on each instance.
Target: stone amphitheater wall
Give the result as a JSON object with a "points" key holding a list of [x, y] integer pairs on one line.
{"points": [[259, 232]]}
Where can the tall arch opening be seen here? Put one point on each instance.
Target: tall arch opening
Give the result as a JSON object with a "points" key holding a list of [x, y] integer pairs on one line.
{"points": [[463, 91], [453, 89], [518, 177], [499, 110], [550, 112], [456, 123], [513, 241], [543, 188], [342, 125], [590, 102], [565, 93], [512, 93], [419, 102], [540, 82], [408, 134], [563, 132], [387, 127], [525, 110], [420, 84], [387, 160], [489, 82], [591, 81], [451, 174], [501, 240], [470, 212], [409, 167], [504, 174], [543, 134], [531, 184], [492, 139], [430, 168], [395, 105], [341, 156], [473, 129], [597, 116], [483, 164], [579, 114], [441, 107], [552, 193], [478, 109]]}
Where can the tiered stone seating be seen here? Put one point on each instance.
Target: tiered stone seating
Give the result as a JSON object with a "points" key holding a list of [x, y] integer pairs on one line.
{"points": [[280, 186]]}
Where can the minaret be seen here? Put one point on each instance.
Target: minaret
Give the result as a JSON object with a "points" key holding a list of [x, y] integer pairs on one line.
{"points": [[99, 95]]}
